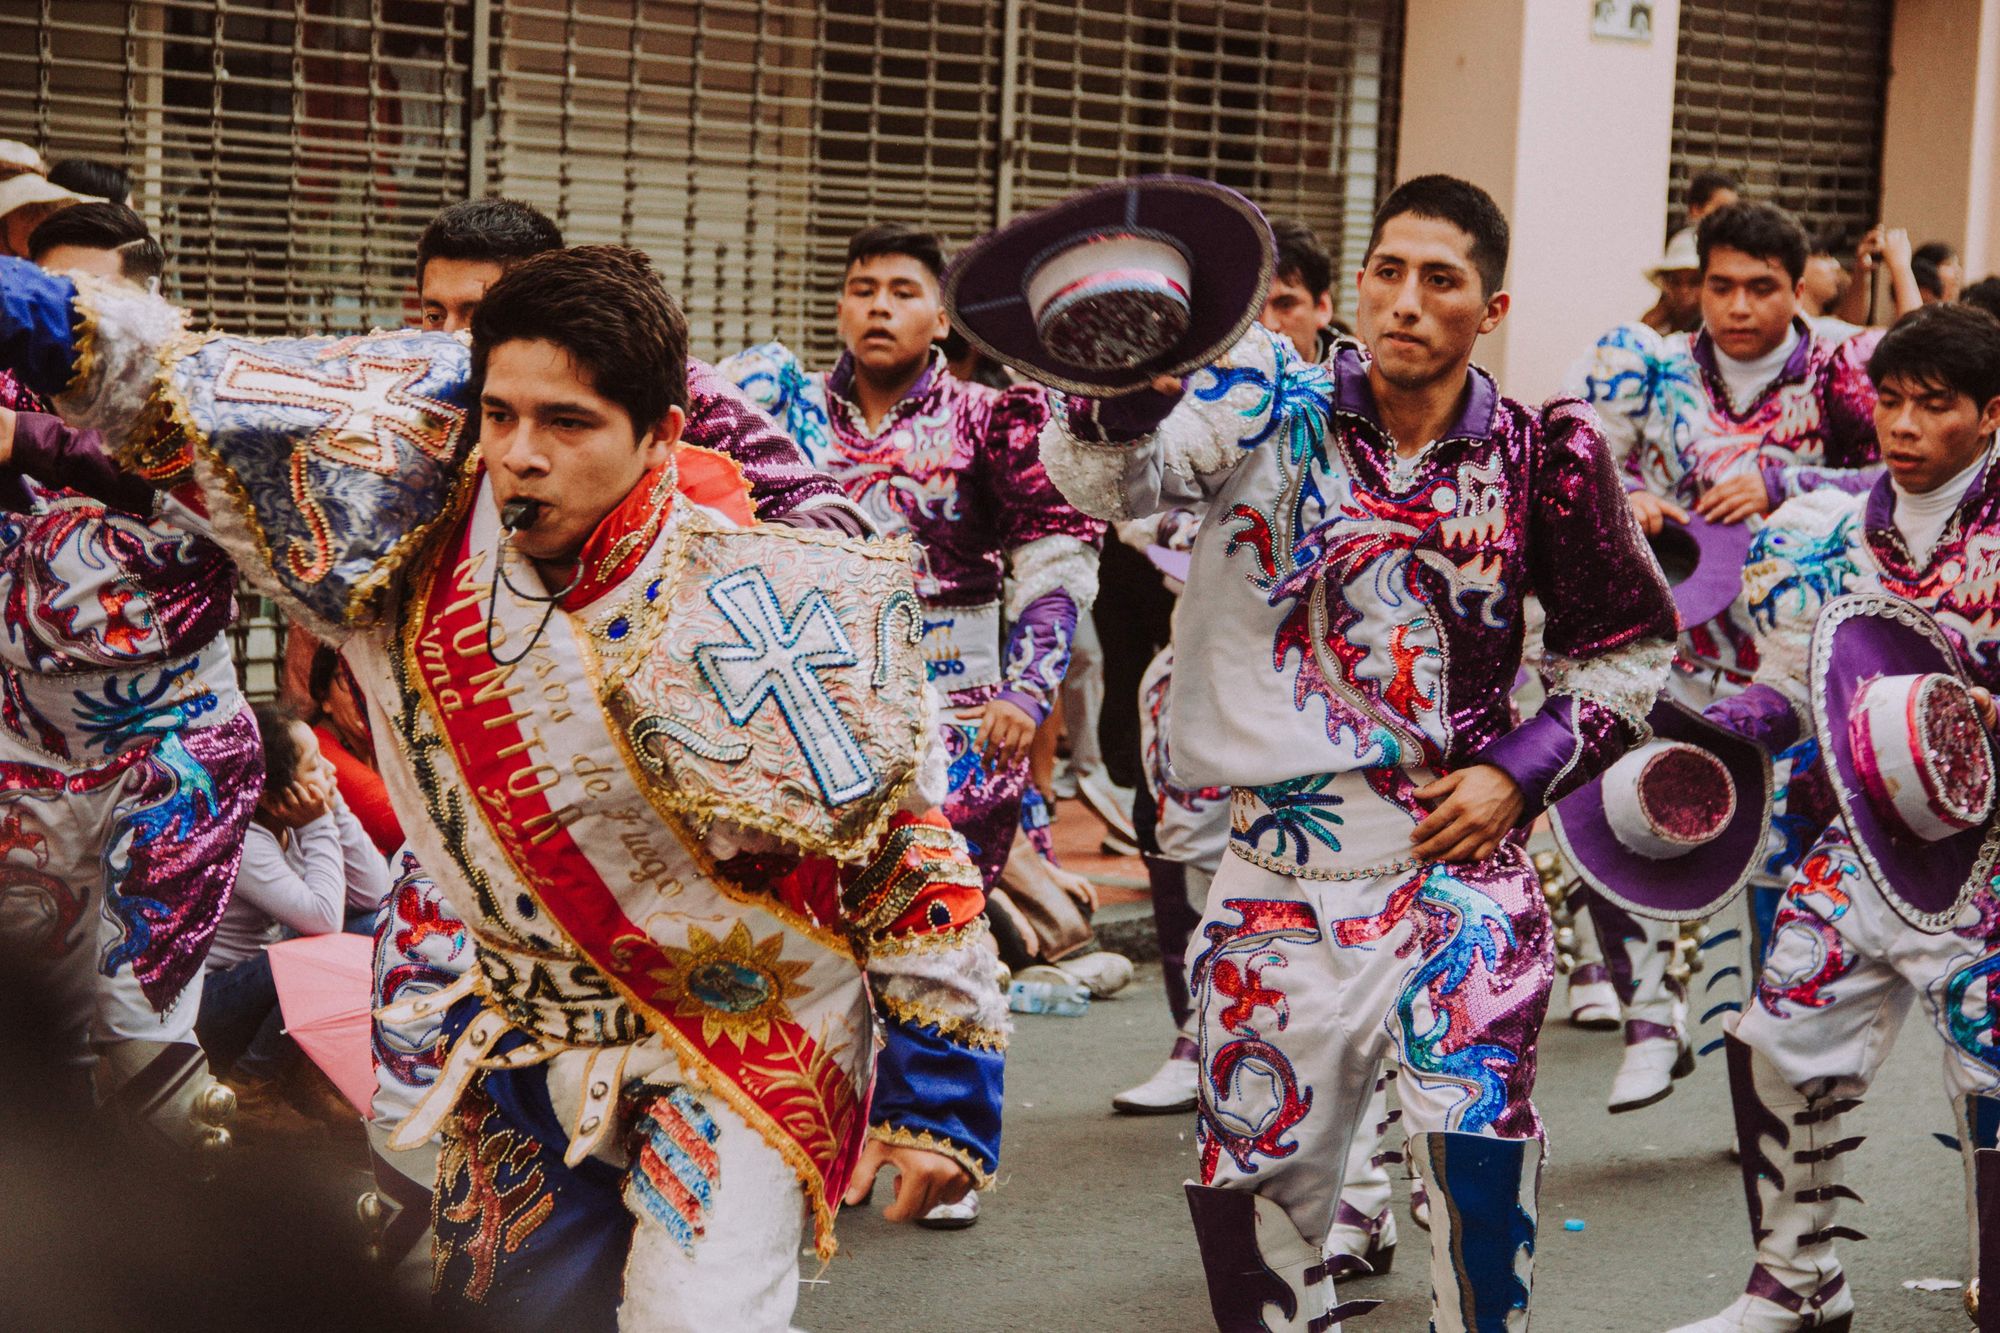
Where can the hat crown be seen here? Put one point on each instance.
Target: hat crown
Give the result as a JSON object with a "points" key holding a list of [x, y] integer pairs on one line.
{"points": [[1922, 755], [1667, 798], [1111, 300]]}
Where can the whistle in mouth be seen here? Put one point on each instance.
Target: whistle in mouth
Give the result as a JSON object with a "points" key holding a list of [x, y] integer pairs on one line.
{"points": [[520, 515]]}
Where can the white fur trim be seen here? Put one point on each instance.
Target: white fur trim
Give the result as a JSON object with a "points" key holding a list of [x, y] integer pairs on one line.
{"points": [[1090, 476], [124, 331], [1050, 564], [956, 989], [932, 782]]}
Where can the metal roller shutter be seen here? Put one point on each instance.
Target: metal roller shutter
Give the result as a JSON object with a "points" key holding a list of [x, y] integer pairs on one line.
{"points": [[290, 151], [1786, 95]]}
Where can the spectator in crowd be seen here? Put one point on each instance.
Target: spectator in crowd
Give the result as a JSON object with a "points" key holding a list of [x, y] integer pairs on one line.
{"points": [[26, 199], [1710, 192], [1887, 250], [1825, 282], [1678, 276], [467, 248], [308, 868], [103, 239], [98, 180], [1938, 273], [1985, 294]]}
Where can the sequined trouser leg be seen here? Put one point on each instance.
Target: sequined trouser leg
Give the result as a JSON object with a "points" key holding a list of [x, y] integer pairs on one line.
{"points": [[1303, 988], [1842, 972]]}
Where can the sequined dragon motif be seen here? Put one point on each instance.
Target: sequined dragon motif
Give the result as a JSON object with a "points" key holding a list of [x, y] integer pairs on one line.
{"points": [[1234, 966]]}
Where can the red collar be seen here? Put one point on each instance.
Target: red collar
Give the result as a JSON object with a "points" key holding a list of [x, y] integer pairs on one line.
{"points": [[621, 540]]}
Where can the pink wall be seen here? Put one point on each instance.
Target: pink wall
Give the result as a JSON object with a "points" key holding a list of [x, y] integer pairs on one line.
{"points": [[1571, 134], [1941, 132]]}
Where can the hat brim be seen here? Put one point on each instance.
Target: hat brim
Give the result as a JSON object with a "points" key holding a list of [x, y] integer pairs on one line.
{"points": [[1682, 888], [1708, 557], [1225, 238], [1859, 639]]}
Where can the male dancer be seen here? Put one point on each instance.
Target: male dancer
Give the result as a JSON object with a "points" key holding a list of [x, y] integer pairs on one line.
{"points": [[1755, 407], [1005, 564], [1844, 967], [1378, 521], [657, 763], [129, 768]]}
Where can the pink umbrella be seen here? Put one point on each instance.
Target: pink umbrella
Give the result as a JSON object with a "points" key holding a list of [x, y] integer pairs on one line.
{"points": [[324, 984]]}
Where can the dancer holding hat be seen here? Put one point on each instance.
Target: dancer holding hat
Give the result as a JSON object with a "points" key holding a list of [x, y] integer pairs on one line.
{"points": [[1346, 646], [1716, 428], [1877, 637]]}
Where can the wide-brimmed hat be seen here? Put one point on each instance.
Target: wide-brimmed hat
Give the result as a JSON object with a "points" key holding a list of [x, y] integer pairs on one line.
{"points": [[28, 188], [1673, 830], [1911, 764], [1682, 255], [1703, 562], [1157, 275]]}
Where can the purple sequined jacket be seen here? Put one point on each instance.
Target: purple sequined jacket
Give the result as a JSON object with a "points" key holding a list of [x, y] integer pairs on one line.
{"points": [[1348, 609], [954, 466]]}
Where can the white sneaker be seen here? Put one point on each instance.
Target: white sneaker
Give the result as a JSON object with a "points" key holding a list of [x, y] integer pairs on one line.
{"points": [[1105, 973], [1170, 1091], [953, 1216], [1593, 1006], [1109, 802], [1648, 1072]]}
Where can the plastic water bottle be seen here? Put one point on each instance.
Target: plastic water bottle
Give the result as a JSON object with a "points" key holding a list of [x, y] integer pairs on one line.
{"points": [[1046, 997]]}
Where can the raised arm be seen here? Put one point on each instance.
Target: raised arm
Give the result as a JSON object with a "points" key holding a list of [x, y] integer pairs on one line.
{"points": [[1122, 458]]}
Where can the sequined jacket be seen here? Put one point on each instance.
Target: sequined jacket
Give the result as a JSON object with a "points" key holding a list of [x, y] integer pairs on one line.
{"points": [[1822, 546], [1347, 609], [892, 935], [116, 680], [953, 466]]}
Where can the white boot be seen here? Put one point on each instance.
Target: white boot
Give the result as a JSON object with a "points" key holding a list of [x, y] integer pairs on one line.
{"points": [[1593, 999], [1791, 1150], [1172, 1090], [1654, 1058], [1263, 1276]]}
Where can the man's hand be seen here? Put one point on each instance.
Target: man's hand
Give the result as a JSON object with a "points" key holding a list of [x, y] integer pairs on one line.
{"points": [[1652, 512], [924, 1179], [299, 804], [1476, 807], [1988, 714], [1005, 732], [1736, 499]]}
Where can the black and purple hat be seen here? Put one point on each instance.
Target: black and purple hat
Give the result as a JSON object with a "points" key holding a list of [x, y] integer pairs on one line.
{"points": [[1672, 830], [1703, 562], [1097, 295], [1910, 760]]}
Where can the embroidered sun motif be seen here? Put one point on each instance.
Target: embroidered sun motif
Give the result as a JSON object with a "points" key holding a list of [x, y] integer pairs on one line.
{"points": [[738, 987]]}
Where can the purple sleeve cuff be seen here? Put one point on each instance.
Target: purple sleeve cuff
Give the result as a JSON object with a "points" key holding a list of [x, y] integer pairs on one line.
{"points": [[1125, 419], [1783, 481], [1557, 750], [1038, 650], [55, 454], [1760, 714]]}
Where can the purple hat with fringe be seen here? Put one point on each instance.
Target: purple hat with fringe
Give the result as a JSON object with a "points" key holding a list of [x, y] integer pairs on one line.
{"points": [[1703, 562], [1098, 294], [1672, 830], [1910, 760]]}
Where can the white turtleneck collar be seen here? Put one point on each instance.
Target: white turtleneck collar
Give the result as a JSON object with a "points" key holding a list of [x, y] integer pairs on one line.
{"points": [[1746, 379], [1921, 518]]}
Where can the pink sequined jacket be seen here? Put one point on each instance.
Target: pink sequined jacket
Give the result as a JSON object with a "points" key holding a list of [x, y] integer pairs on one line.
{"points": [[1386, 593]]}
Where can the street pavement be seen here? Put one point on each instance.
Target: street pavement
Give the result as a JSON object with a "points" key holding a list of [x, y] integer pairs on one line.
{"points": [[1088, 1229]]}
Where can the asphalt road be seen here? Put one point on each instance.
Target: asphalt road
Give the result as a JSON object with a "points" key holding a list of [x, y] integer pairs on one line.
{"points": [[1089, 1230]]}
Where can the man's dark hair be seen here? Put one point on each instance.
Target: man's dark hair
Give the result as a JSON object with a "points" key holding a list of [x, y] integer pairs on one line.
{"points": [[604, 305], [1934, 253], [1985, 294], [492, 231], [1705, 185], [282, 753], [1929, 281], [896, 238], [1462, 204], [1763, 231], [111, 227], [99, 180], [1301, 258], [1950, 345]]}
